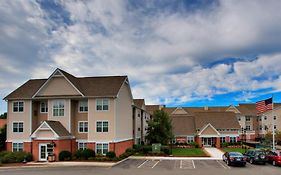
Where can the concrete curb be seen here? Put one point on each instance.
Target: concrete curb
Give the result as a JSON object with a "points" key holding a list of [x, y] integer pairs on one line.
{"points": [[173, 158]]}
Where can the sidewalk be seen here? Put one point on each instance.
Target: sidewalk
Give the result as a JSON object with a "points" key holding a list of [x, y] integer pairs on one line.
{"points": [[60, 164], [215, 153]]}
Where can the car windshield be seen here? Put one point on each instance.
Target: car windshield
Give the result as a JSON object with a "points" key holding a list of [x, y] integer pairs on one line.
{"points": [[235, 154]]}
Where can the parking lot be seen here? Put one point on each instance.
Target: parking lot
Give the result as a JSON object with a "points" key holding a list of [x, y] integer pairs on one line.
{"points": [[183, 165]]}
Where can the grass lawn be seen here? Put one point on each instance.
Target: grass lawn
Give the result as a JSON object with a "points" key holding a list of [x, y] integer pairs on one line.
{"points": [[188, 152], [241, 150]]}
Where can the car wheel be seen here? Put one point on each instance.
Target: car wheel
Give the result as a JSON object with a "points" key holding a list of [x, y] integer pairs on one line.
{"points": [[251, 161], [274, 163]]}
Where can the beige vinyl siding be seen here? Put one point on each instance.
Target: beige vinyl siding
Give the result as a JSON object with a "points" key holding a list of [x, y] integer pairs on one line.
{"points": [[124, 119], [58, 86], [95, 116], [24, 117], [78, 116]]}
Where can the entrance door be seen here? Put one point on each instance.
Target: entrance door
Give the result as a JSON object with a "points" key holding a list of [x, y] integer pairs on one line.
{"points": [[207, 141], [44, 151], [43, 155]]}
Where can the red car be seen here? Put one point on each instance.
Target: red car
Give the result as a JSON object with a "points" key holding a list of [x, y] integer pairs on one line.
{"points": [[274, 157]]}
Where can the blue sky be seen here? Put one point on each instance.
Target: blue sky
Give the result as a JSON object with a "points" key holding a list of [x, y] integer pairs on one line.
{"points": [[175, 52]]}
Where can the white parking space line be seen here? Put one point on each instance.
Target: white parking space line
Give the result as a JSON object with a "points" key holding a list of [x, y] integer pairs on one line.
{"points": [[187, 164], [224, 166], [142, 164], [155, 164], [181, 164], [193, 164]]}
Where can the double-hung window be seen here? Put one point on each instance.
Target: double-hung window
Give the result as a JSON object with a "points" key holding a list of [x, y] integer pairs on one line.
{"points": [[17, 147], [248, 127], [102, 126], [102, 104], [18, 106], [82, 145], [44, 107], [248, 118], [83, 106], [58, 108], [232, 139], [102, 148], [190, 139], [83, 127], [222, 139], [17, 126]]}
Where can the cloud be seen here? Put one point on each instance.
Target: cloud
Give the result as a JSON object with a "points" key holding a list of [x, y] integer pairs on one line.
{"points": [[173, 52]]}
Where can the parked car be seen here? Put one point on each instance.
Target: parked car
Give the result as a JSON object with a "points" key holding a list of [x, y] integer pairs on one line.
{"points": [[274, 157], [256, 156], [234, 158]]}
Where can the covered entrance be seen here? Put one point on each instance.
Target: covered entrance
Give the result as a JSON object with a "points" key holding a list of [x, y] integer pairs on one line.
{"points": [[209, 136], [208, 142]]}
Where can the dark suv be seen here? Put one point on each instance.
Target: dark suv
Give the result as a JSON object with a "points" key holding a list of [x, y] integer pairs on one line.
{"points": [[255, 156]]}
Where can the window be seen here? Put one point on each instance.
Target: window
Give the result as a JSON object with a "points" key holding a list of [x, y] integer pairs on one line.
{"points": [[102, 126], [260, 118], [248, 127], [83, 106], [265, 117], [138, 129], [190, 139], [275, 126], [222, 139], [102, 104], [232, 139], [18, 106], [265, 127], [274, 118], [44, 107], [82, 145], [82, 127], [58, 108], [102, 148], [239, 118], [18, 127], [17, 147], [260, 127], [248, 118]]}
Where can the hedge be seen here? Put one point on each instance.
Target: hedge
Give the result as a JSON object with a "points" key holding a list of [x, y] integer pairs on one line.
{"points": [[15, 157]]}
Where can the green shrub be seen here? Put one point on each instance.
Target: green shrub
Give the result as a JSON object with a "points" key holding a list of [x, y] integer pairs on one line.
{"points": [[137, 148], [146, 149], [166, 150], [130, 151], [110, 154], [15, 157], [124, 155], [87, 153], [194, 144], [64, 155]]}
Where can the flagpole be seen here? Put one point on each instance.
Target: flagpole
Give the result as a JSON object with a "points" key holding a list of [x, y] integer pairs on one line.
{"points": [[273, 124]]}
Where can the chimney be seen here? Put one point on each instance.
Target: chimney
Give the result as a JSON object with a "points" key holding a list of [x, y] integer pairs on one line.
{"points": [[206, 108]]}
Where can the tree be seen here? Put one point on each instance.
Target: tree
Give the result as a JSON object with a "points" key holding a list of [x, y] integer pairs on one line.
{"points": [[159, 128], [3, 116], [3, 137], [268, 137]]}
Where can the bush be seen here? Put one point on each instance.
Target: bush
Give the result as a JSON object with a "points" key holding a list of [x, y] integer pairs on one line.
{"points": [[166, 150], [146, 149], [15, 157], [124, 155], [111, 154], [137, 148], [84, 154], [194, 144], [64, 155], [130, 151]]}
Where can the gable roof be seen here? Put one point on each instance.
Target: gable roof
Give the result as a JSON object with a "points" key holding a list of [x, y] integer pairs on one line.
{"points": [[183, 125], [216, 119], [152, 108], [103, 86], [206, 126], [56, 127], [138, 103]]}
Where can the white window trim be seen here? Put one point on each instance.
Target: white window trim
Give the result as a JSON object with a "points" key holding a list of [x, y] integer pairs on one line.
{"points": [[102, 146], [13, 107], [83, 142], [79, 103], [17, 122], [17, 143], [102, 126], [102, 104], [64, 103], [83, 128], [46, 102]]}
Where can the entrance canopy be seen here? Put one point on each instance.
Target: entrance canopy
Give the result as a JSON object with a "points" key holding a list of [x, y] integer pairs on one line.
{"points": [[208, 131], [51, 130]]}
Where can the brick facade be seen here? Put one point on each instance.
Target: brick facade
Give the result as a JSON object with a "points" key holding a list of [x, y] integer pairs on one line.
{"points": [[120, 147]]}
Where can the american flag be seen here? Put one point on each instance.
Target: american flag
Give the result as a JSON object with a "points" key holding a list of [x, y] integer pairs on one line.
{"points": [[264, 105]]}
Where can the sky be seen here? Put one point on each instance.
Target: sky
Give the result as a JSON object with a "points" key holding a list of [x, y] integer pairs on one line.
{"points": [[175, 52]]}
